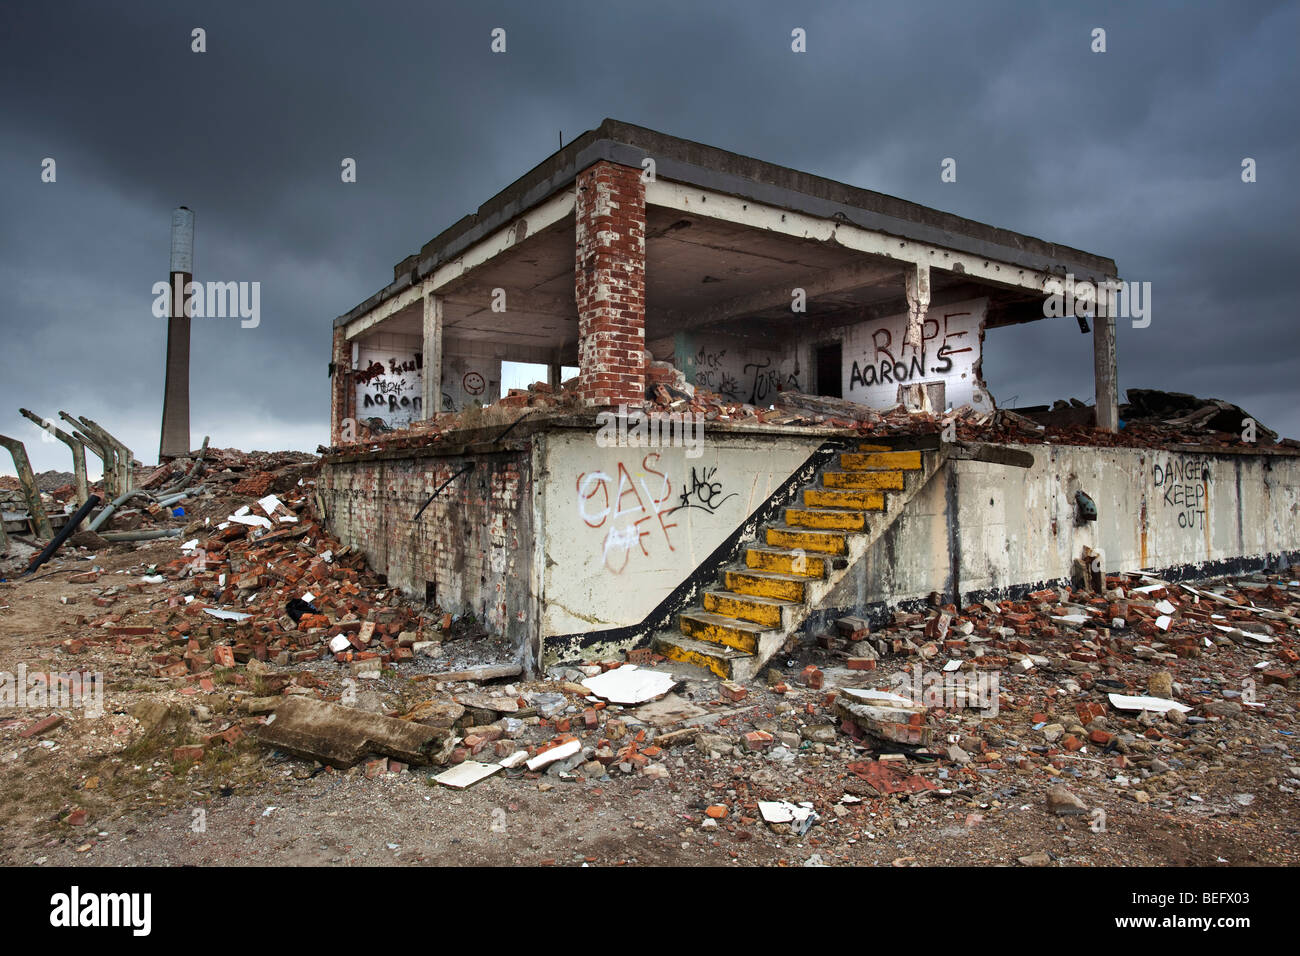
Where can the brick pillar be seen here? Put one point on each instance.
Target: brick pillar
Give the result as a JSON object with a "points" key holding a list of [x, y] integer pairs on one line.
{"points": [[609, 284], [342, 393]]}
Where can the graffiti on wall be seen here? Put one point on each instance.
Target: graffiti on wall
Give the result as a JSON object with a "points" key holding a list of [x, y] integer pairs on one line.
{"points": [[745, 375], [389, 386], [633, 513], [1184, 485], [878, 361], [704, 491]]}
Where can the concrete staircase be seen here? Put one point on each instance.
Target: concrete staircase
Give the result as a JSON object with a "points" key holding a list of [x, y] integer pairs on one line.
{"points": [[765, 596]]}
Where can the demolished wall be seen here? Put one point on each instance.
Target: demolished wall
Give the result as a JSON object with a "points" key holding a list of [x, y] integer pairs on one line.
{"points": [[471, 550]]}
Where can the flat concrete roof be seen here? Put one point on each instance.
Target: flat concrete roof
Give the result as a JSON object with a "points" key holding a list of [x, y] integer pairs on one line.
{"points": [[685, 161]]}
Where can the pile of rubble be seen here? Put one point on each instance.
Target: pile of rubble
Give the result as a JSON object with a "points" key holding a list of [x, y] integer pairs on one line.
{"points": [[1150, 418]]}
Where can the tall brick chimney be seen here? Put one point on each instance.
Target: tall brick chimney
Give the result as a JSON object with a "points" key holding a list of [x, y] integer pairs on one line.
{"points": [[175, 441]]}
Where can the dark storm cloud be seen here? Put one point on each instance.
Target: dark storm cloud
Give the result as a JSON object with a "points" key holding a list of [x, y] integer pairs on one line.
{"points": [[1134, 154]]}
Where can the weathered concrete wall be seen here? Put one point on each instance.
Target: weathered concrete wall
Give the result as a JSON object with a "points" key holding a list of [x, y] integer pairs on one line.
{"points": [[876, 362], [390, 370], [1015, 529], [625, 527], [736, 368], [472, 548]]}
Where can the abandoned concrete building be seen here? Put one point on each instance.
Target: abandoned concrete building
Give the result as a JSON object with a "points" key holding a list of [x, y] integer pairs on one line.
{"points": [[759, 306]]}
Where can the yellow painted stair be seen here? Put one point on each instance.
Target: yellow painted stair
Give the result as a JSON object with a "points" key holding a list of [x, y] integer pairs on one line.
{"points": [[796, 561]]}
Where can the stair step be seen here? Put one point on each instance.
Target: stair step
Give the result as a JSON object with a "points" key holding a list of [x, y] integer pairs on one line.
{"points": [[821, 519], [786, 561], [823, 542], [881, 460], [723, 631], [866, 480], [855, 498], [747, 607], [771, 584], [726, 662]]}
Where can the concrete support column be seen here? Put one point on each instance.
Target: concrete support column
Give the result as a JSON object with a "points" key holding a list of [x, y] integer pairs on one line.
{"points": [[1105, 364], [432, 381], [918, 303], [609, 284], [342, 394]]}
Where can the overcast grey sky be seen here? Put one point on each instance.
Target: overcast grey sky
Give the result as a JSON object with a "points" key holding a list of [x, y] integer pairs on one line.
{"points": [[1134, 154]]}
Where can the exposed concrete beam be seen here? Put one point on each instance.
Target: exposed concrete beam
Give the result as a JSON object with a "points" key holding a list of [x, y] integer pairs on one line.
{"points": [[853, 276], [540, 217], [695, 201], [31, 492], [918, 303], [385, 310]]}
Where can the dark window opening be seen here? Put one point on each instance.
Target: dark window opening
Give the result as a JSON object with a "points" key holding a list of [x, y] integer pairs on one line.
{"points": [[830, 375]]}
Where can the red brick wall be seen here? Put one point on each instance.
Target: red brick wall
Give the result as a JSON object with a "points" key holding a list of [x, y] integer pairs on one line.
{"points": [[474, 543], [610, 284], [342, 396]]}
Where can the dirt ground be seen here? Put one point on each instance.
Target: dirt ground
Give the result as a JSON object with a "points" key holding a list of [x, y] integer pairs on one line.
{"points": [[109, 791]]}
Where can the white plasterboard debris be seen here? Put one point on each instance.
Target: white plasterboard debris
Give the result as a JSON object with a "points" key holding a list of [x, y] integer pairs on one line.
{"points": [[288, 519], [327, 556], [1163, 622], [1148, 588], [253, 521], [307, 597], [466, 774], [339, 644], [226, 615], [880, 697], [152, 578], [548, 757], [190, 545], [952, 666], [782, 811], [515, 759], [1071, 618], [1164, 607], [242, 511], [630, 684], [1260, 638], [1157, 705], [269, 504]]}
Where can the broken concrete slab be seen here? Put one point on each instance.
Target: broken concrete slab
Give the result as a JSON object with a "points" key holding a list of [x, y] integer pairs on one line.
{"points": [[466, 774], [630, 684], [342, 736]]}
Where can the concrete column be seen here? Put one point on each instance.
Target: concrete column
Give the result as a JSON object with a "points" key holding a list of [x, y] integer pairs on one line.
{"points": [[432, 382], [918, 303], [30, 491], [342, 393], [78, 451], [1105, 365], [609, 284]]}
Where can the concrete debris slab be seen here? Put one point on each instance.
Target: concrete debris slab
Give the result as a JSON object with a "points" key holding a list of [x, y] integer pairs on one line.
{"points": [[515, 759], [342, 736], [466, 774], [225, 615], [668, 710], [1156, 705], [560, 752], [630, 684], [782, 811]]}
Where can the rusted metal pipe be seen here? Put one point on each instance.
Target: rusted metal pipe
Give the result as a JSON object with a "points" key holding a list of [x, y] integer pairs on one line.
{"points": [[28, 480], [78, 451]]}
